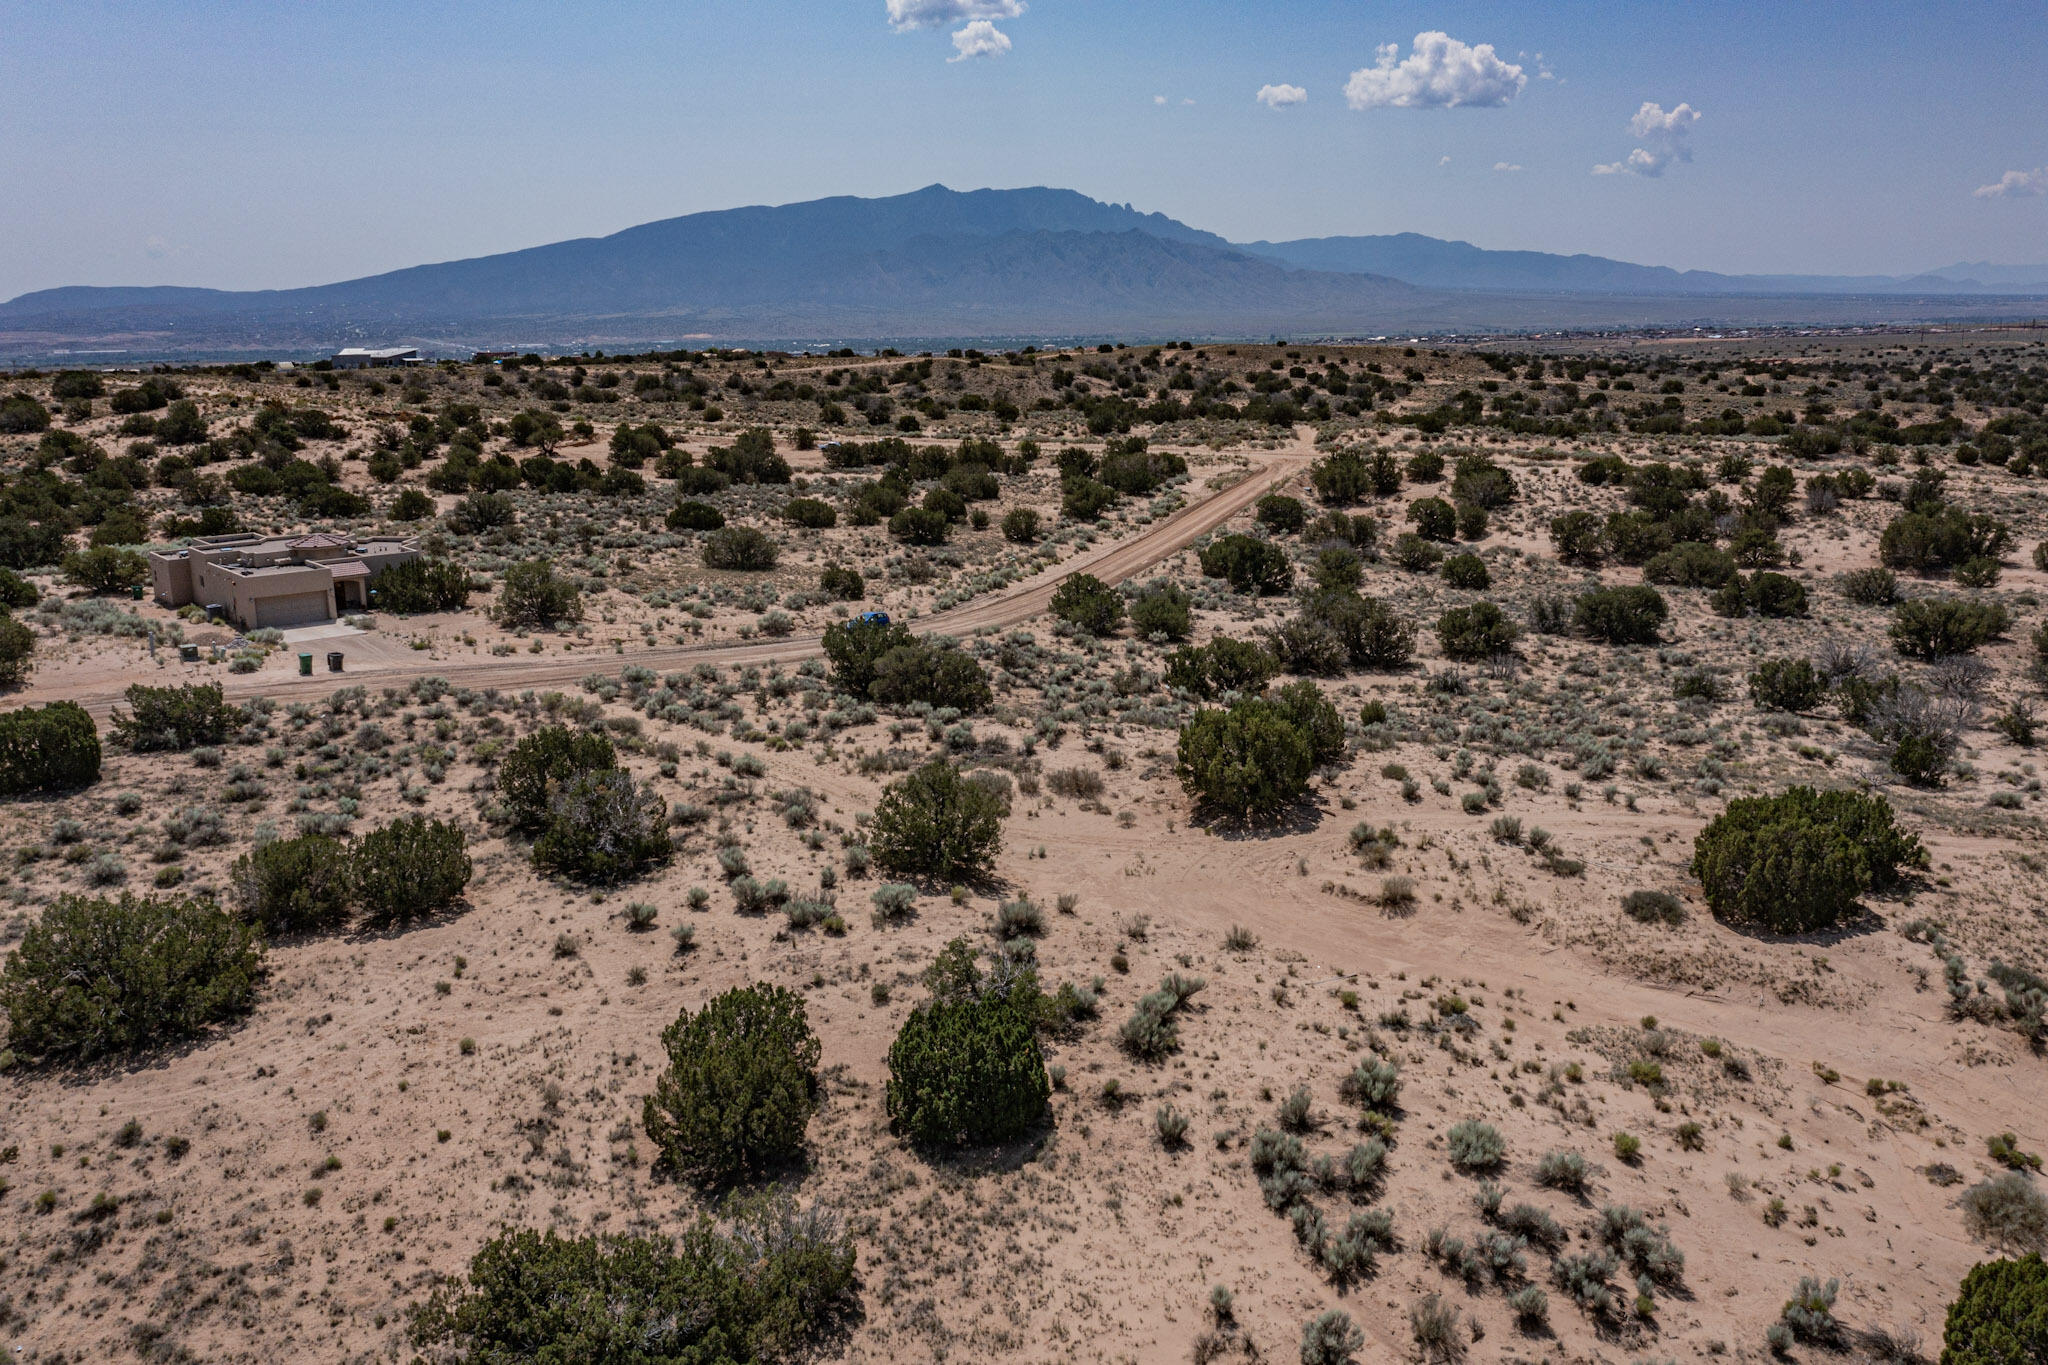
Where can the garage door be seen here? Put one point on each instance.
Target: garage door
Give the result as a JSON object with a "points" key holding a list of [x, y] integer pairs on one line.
{"points": [[298, 609]]}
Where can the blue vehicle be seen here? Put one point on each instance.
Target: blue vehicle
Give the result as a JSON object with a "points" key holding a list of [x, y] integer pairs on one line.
{"points": [[873, 618]]}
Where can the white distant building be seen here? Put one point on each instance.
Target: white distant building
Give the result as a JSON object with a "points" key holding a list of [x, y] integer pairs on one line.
{"points": [[366, 357]]}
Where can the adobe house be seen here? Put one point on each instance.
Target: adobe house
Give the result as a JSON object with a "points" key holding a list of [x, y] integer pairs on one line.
{"points": [[257, 581]]}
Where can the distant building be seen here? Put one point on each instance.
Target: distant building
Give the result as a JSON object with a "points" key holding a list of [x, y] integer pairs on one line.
{"points": [[370, 358], [257, 581]]}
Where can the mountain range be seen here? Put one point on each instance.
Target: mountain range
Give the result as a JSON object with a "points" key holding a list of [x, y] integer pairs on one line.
{"points": [[983, 264]]}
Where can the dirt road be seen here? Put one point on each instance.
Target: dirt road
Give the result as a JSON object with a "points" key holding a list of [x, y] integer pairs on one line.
{"points": [[1115, 563]]}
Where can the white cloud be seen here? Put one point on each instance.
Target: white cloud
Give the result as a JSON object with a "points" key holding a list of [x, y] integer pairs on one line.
{"points": [[1159, 99], [1443, 161], [1276, 96], [909, 14], [2012, 183], [1665, 138], [1506, 166], [979, 39], [1441, 73]]}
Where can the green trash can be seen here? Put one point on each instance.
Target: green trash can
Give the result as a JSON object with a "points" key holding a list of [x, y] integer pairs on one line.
{"points": [[135, 591], [305, 665]]}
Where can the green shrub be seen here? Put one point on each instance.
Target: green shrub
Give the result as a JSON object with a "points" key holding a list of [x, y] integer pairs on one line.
{"points": [[1481, 482], [1084, 499], [751, 458], [765, 1291], [1466, 572], [26, 544], [1475, 1146], [1797, 862], [48, 748], [1653, 907], [933, 823], [479, 512], [1248, 564], [21, 413], [421, 585], [692, 514], [2000, 1315], [1248, 762], [182, 717], [967, 1070], [1938, 627], [1374, 1083], [105, 569], [410, 868], [1621, 616], [1981, 572], [1337, 568], [1345, 477], [842, 584], [1477, 632], [181, 425], [2007, 1212], [17, 651], [603, 827], [543, 757], [1222, 665], [1765, 594], [812, 513], [533, 597], [1434, 519], [937, 675], [1281, 514], [1787, 685], [1690, 564], [740, 1086], [1877, 587], [1923, 541], [97, 978], [1306, 645], [1415, 553], [1636, 537], [1577, 538], [1162, 612], [744, 548], [295, 886], [1372, 634], [17, 592], [1331, 1338], [854, 649], [920, 526], [1020, 525], [1085, 601], [1310, 712], [1809, 1314]]}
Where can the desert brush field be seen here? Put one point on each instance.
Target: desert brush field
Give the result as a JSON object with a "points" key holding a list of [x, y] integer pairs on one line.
{"points": [[1528, 852]]}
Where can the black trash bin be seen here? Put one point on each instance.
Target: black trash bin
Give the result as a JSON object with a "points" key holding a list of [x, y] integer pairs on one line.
{"points": [[334, 661]]}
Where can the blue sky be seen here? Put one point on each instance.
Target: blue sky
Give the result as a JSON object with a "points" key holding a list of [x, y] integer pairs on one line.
{"points": [[244, 145]]}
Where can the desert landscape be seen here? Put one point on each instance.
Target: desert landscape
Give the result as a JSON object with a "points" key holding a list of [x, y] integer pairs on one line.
{"points": [[1147, 852]]}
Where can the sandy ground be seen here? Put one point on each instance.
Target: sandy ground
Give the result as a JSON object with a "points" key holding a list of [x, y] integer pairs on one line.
{"points": [[487, 1069]]}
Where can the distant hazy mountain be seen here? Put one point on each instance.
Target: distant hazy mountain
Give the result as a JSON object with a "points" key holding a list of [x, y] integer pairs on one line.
{"points": [[939, 263], [929, 262], [1437, 264], [2023, 279]]}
